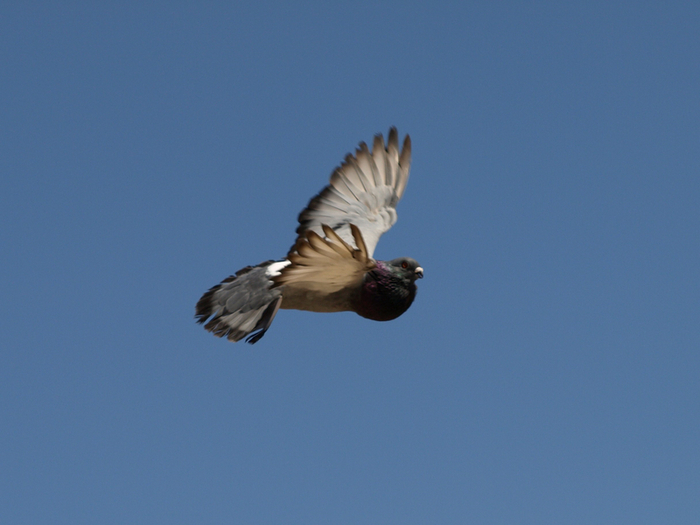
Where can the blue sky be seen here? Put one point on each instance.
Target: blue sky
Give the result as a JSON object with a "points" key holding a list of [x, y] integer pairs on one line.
{"points": [[548, 371]]}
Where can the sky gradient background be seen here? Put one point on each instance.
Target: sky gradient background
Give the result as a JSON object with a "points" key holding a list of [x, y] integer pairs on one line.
{"points": [[548, 371]]}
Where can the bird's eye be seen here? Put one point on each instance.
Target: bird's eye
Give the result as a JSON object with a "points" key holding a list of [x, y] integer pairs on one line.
{"points": [[404, 264]]}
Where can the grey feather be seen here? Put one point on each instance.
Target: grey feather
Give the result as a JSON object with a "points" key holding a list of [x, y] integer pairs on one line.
{"points": [[242, 304], [363, 191]]}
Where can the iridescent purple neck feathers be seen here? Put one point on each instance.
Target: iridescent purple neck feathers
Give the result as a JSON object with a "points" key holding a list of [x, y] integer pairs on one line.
{"points": [[389, 289]]}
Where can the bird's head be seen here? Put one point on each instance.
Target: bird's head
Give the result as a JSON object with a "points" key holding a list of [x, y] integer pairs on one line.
{"points": [[406, 268]]}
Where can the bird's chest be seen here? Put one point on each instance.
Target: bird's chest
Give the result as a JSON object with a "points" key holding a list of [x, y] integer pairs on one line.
{"points": [[384, 301]]}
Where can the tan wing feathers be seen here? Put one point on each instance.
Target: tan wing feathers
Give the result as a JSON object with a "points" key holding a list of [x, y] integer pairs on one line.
{"points": [[360, 242], [330, 264], [317, 243], [331, 235]]}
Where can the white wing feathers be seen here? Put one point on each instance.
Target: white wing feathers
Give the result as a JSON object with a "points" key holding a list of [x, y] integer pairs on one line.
{"points": [[363, 191]]}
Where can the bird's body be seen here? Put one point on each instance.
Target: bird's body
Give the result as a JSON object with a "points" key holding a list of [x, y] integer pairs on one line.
{"points": [[330, 267], [317, 301]]}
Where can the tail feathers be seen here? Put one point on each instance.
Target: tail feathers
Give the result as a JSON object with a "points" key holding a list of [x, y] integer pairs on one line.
{"points": [[242, 305]]}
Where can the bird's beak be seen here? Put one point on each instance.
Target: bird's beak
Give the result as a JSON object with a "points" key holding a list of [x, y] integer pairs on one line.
{"points": [[419, 273]]}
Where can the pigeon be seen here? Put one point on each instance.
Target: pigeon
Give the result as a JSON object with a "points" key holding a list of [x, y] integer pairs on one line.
{"points": [[330, 266]]}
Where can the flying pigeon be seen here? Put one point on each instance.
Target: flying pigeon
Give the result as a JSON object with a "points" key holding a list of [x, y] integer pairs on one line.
{"points": [[330, 266]]}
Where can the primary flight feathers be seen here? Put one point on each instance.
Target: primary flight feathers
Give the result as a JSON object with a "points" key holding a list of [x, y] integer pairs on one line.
{"points": [[330, 267]]}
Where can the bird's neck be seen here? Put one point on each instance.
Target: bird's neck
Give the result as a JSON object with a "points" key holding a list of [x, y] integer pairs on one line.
{"points": [[384, 295]]}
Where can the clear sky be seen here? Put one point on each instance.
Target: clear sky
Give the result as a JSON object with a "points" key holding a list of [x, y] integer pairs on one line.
{"points": [[549, 370]]}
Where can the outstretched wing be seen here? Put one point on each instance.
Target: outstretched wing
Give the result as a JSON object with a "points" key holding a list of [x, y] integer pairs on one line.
{"points": [[363, 191]]}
